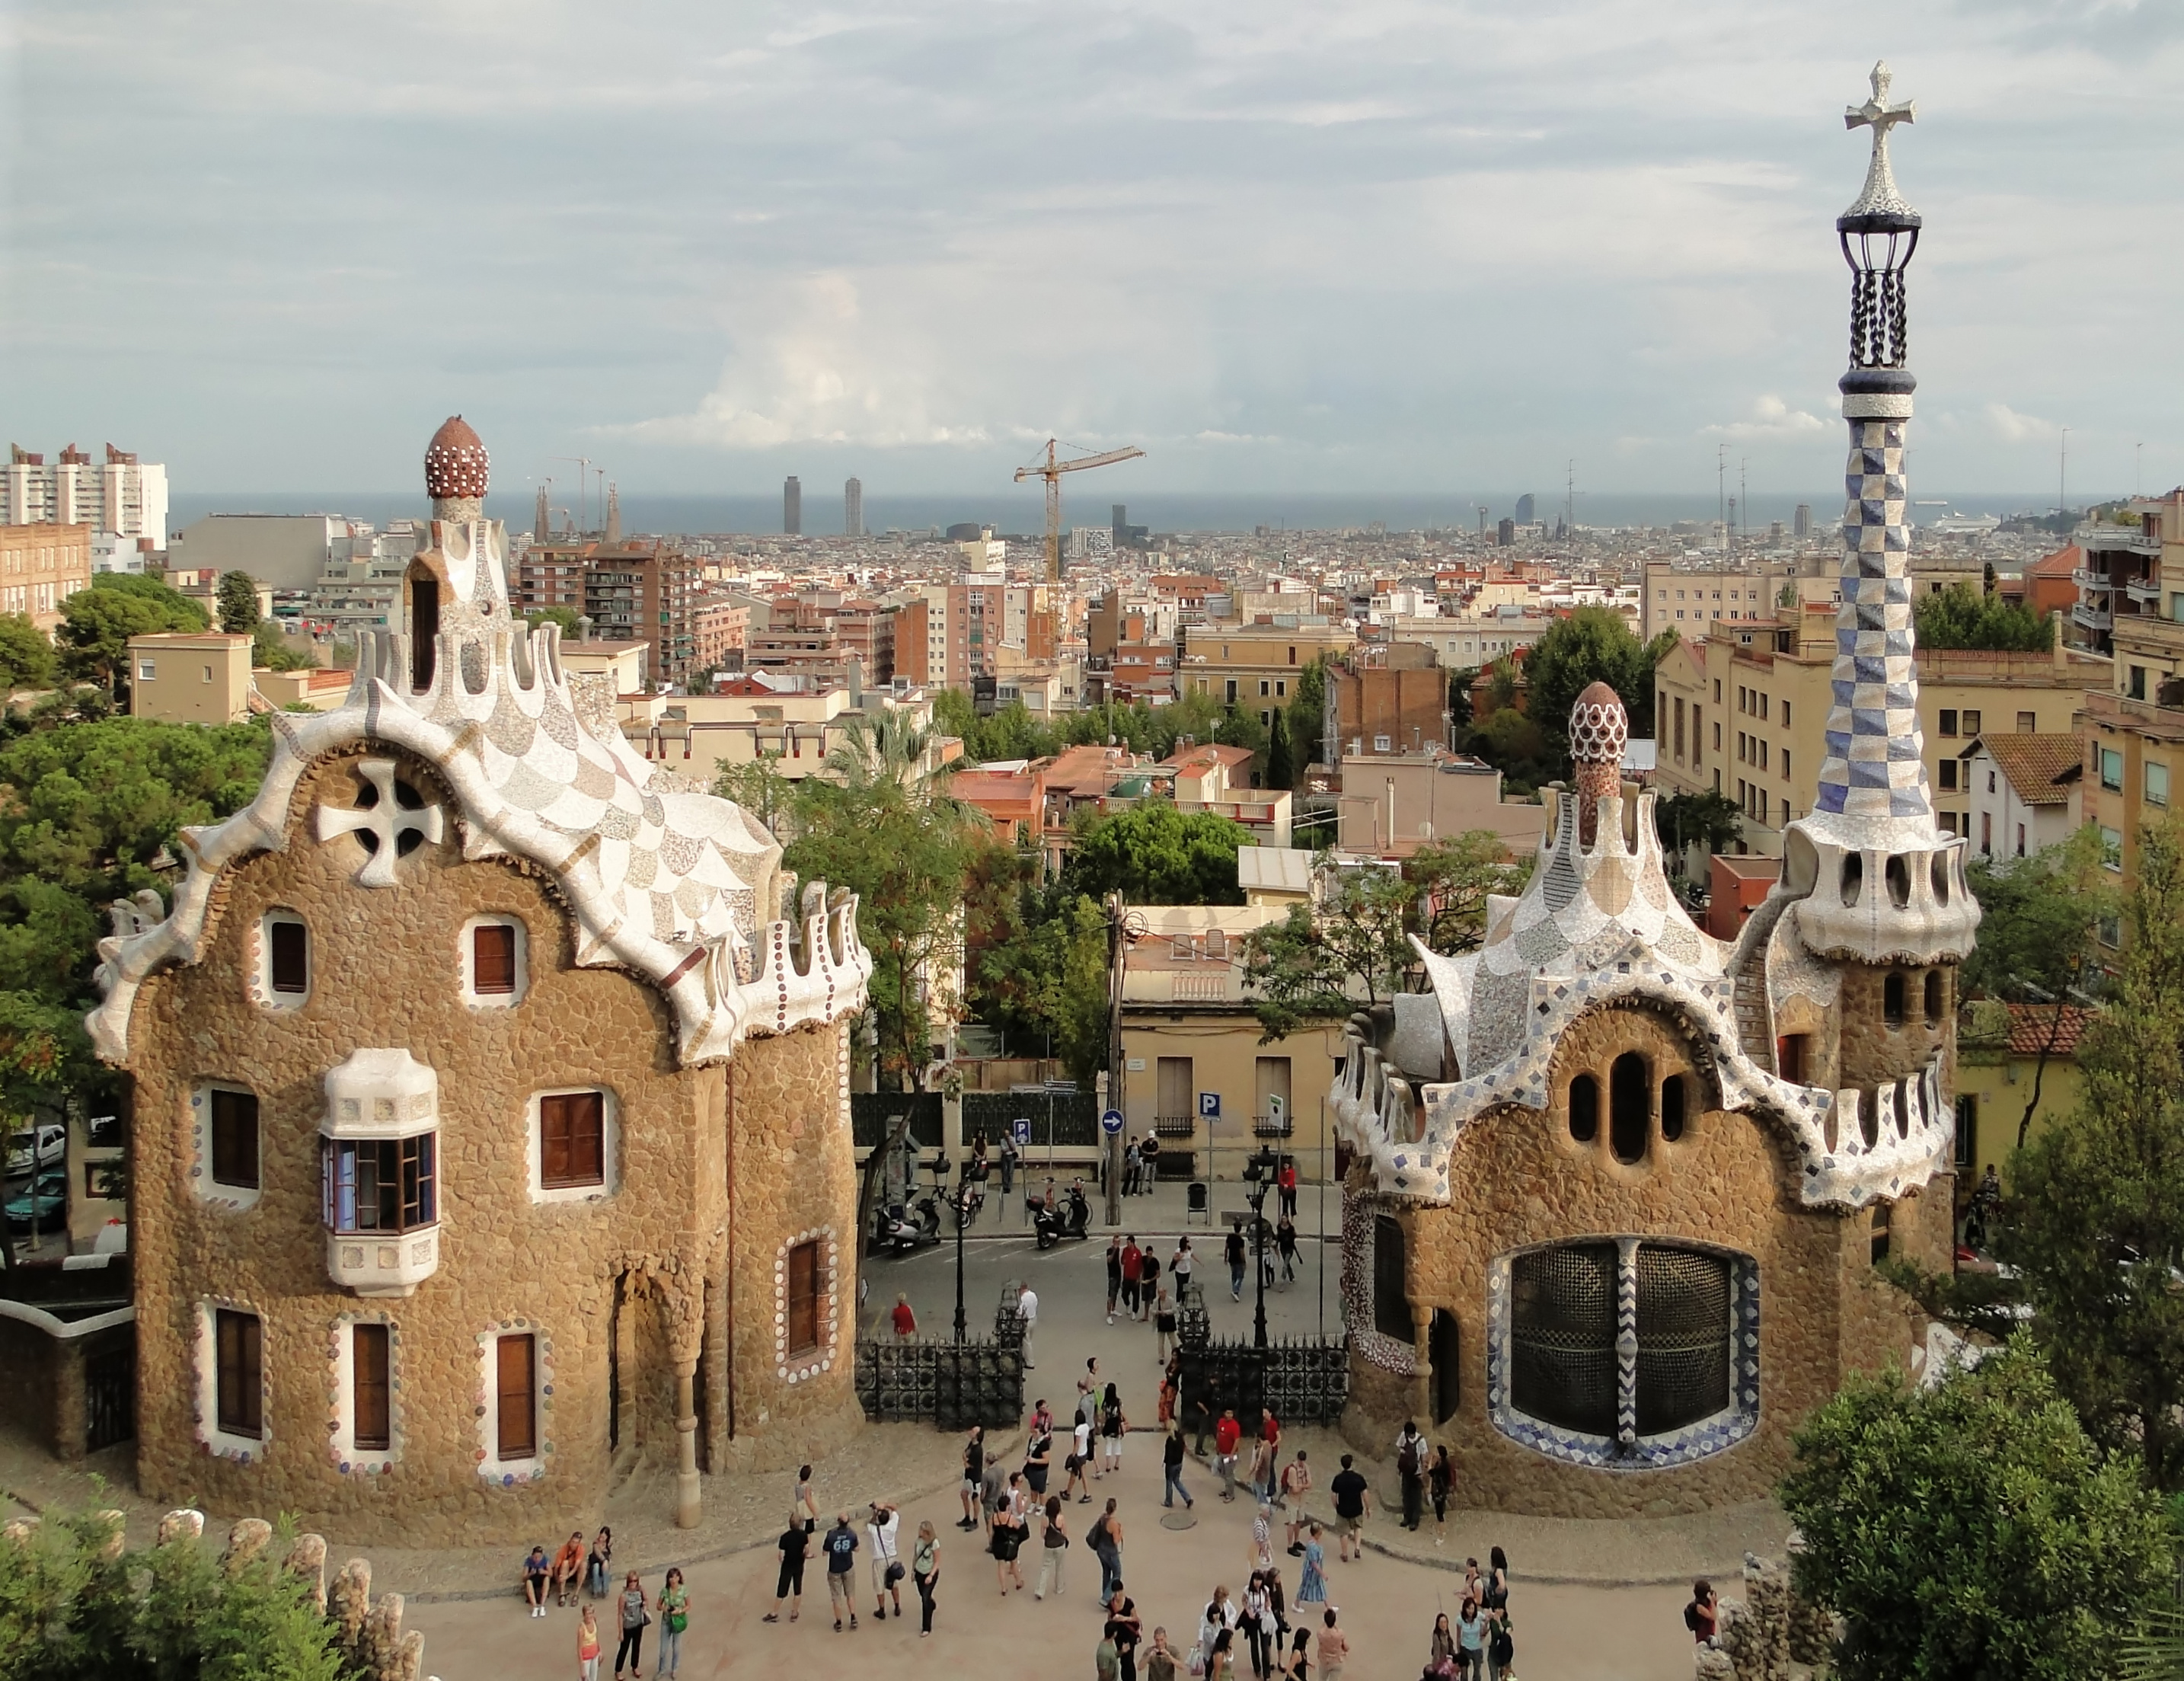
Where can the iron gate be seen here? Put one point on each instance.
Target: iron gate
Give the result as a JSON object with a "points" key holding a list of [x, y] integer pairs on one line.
{"points": [[110, 1397]]}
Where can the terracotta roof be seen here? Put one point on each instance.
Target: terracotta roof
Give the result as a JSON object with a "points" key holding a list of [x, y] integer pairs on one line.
{"points": [[2030, 1026], [455, 462], [2038, 766], [2060, 564]]}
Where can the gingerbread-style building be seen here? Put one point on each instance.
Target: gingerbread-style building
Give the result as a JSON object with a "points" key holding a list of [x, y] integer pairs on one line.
{"points": [[491, 1122], [1616, 1187]]}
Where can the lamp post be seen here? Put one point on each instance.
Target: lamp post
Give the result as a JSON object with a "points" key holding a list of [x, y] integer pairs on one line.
{"points": [[1260, 1171], [960, 1201]]}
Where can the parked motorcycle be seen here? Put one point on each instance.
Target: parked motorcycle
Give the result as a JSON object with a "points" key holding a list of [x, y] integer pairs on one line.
{"points": [[1072, 1219], [899, 1230], [969, 1201]]}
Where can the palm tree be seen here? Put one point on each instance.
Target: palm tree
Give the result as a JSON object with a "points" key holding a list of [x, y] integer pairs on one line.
{"points": [[878, 749]]}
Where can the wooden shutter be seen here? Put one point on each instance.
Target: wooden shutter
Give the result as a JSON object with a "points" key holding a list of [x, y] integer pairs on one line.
{"points": [[803, 1298], [516, 1359], [571, 1139], [240, 1379], [235, 1139], [492, 958], [368, 1354], [291, 962]]}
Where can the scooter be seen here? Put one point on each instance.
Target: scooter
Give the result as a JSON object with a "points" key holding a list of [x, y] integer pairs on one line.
{"points": [[900, 1229], [1072, 1219], [969, 1203]]}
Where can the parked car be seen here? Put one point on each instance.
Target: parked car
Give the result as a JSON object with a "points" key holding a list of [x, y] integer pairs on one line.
{"points": [[42, 1146], [41, 1205]]}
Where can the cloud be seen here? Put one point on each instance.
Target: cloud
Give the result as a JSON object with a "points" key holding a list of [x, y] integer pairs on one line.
{"points": [[1770, 418], [2012, 428]]}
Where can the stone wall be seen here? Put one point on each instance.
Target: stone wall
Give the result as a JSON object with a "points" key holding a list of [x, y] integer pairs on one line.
{"points": [[1520, 1179]]}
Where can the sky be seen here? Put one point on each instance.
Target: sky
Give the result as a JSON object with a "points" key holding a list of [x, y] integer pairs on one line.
{"points": [[1374, 245]]}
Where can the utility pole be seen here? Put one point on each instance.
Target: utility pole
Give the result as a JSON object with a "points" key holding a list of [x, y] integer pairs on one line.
{"points": [[2062, 476], [1118, 946], [1721, 495]]}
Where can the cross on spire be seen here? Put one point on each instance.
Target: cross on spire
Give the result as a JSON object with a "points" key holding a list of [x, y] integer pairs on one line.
{"points": [[381, 825], [1880, 196]]}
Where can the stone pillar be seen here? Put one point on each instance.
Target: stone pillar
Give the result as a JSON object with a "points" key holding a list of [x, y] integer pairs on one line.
{"points": [[1422, 1345], [687, 1503]]}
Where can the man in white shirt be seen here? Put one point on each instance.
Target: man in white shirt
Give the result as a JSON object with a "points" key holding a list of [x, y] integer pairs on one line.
{"points": [[880, 1530], [1027, 1305]]}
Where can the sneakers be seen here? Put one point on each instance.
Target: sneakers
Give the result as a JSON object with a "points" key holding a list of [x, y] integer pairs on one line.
{"points": [[853, 1619], [880, 1615]]}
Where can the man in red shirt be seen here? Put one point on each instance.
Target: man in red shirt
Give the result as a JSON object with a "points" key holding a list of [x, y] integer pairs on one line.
{"points": [[1289, 1184], [1226, 1434], [1133, 1270], [906, 1322]]}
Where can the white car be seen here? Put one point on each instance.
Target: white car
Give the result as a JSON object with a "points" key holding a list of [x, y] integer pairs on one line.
{"points": [[28, 1150]]}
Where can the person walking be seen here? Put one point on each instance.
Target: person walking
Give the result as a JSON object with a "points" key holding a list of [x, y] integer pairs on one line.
{"points": [[1039, 1453], [1262, 1540], [1125, 1630], [1053, 1543], [1497, 1580], [1221, 1663], [1181, 1264], [840, 1547], [925, 1572], [1079, 1463], [588, 1645], [1226, 1435], [1286, 1241], [1296, 1483], [1148, 1281], [1232, 1250], [1257, 1621], [1441, 1659], [1008, 1535], [1133, 1262], [636, 1612], [1113, 1426], [674, 1619], [1333, 1648], [974, 1470], [795, 1544], [1471, 1626], [596, 1563], [1027, 1305], [1172, 1452], [1438, 1474], [802, 1508], [1352, 1500], [1474, 1584], [1106, 1540], [1106, 1660], [993, 1493], [567, 1574], [1008, 1164], [1411, 1467], [882, 1526], [1132, 1164], [1114, 1274], [1311, 1584], [905, 1322]]}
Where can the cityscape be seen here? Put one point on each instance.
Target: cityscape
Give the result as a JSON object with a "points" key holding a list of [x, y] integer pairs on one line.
{"points": [[591, 1039]]}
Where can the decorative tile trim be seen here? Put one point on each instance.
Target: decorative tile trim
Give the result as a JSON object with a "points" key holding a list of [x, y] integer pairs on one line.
{"points": [[214, 1440], [491, 1468], [1701, 1440], [341, 1396], [808, 1365], [1372, 1345]]}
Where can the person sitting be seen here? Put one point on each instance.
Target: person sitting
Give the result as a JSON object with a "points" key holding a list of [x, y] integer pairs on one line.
{"points": [[568, 1573], [535, 1573]]}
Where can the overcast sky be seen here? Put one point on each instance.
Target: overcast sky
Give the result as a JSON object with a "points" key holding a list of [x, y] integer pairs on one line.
{"points": [[1374, 243]]}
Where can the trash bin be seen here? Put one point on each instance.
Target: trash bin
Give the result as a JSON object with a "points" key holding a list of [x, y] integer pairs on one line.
{"points": [[1201, 1201]]}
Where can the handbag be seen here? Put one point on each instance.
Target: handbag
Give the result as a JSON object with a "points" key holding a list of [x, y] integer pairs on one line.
{"points": [[677, 1621], [893, 1573]]}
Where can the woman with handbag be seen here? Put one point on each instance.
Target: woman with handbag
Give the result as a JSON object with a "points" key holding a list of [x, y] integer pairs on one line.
{"points": [[925, 1571], [674, 1618], [1008, 1535], [1054, 1541], [636, 1612]]}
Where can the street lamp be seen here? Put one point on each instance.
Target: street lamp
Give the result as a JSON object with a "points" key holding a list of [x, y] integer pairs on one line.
{"points": [[960, 1202], [1259, 1173]]}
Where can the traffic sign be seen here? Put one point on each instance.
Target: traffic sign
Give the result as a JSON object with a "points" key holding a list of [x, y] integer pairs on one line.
{"points": [[1021, 1128], [1111, 1123], [1209, 1105]]}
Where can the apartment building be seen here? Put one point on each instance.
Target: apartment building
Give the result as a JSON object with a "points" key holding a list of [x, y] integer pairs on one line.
{"points": [[1747, 719], [41, 567], [718, 628], [1683, 598], [1462, 641], [947, 634], [1385, 698], [749, 719], [121, 495], [1255, 667], [550, 574], [190, 677], [645, 589]]}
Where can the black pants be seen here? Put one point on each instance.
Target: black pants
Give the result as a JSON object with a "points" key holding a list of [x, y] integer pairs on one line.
{"points": [[1262, 1658], [631, 1647], [925, 1601], [791, 1580], [1414, 1488]]}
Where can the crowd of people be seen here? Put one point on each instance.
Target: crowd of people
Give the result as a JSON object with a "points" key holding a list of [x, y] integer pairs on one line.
{"points": [[575, 1576]]}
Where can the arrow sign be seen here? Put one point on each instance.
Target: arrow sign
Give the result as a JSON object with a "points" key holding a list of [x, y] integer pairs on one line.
{"points": [[1111, 1122]]}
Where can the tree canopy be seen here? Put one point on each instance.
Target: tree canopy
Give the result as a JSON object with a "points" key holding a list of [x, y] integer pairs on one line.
{"points": [[1153, 854], [98, 623], [1961, 617], [27, 659], [1708, 818], [1592, 644], [1039, 956], [1971, 1530], [236, 600]]}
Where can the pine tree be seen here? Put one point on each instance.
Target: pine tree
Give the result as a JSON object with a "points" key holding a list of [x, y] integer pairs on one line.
{"points": [[238, 603], [1281, 772]]}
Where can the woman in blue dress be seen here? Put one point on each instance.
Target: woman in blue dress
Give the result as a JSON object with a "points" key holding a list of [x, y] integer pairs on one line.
{"points": [[1311, 1590]]}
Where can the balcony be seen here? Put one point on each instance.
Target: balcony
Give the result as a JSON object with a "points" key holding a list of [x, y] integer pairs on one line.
{"points": [[2130, 538], [2144, 590], [1272, 1125], [1174, 1126], [2091, 618], [2086, 578]]}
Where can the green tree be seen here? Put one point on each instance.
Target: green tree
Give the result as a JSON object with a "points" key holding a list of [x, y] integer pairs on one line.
{"points": [[269, 649], [1153, 854], [1348, 947], [1516, 746], [1459, 695], [1592, 645], [1971, 1530], [2039, 923], [1041, 965], [1708, 818], [1308, 714], [98, 623], [2095, 1223], [26, 657], [1281, 768], [236, 602], [760, 789], [566, 617], [1452, 880], [1961, 617]]}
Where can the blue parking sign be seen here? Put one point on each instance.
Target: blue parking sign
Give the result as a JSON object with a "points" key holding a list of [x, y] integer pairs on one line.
{"points": [[1209, 1105], [1021, 1128]]}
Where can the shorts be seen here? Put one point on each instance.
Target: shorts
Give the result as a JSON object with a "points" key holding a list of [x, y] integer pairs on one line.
{"points": [[791, 1579], [840, 1590], [1349, 1525], [971, 1485], [880, 1573]]}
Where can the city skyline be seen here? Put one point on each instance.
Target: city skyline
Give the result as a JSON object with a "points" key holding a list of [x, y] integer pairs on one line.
{"points": [[1372, 251]]}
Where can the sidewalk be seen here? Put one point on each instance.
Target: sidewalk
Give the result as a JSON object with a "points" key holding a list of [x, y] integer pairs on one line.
{"points": [[1164, 1209]]}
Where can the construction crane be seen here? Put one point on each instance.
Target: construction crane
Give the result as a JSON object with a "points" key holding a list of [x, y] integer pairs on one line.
{"points": [[1052, 469]]}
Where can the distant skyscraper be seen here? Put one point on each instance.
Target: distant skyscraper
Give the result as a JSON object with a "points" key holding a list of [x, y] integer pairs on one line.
{"points": [[853, 509], [1526, 509], [1803, 521], [540, 517], [792, 506], [124, 496], [1505, 533]]}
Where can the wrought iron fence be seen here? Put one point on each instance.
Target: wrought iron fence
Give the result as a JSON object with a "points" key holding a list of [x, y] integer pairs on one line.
{"points": [[872, 1113], [1303, 1380], [951, 1385], [1069, 1120]]}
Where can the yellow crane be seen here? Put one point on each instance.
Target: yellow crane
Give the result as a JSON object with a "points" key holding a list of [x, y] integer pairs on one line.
{"points": [[1052, 469]]}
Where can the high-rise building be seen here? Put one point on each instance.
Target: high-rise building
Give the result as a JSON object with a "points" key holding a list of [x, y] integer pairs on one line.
{"points": [[792, 507], [1526, 509], [645, 590], [853, 509], [1802, 521], [1505, 533], [124, 496]]}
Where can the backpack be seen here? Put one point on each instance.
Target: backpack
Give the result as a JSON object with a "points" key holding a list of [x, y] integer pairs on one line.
{"points": [[1407, 1460]]}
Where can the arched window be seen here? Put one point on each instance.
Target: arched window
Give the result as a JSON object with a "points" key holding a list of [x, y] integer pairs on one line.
{"points": [[1672, 1107], [1899, 881], [1891, 998], [1561, 1335], [1854, 877], [1629, 1107], [1391, 1308], [1935, 994], [1585, 1108], [1869, 1116], [1882, 1218]]}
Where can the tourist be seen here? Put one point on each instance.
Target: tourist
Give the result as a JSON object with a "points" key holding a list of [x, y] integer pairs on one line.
{"points": [[1497, 1581], [1263, 1539], [1296, 1483], [1474, 1584], [1411, 1467], [587, 1646], [1277, 1603], [1038, 1452], [1438, 1474], [1233, 1252], [1442, 1659], [1148, 1281], [1218, 1617], [1008, 1165], [1160, 1661], [1053, 1542], [1171, 1469], [636, 1612], [1221, 1663], [674, 1618], [1352, 1500], [1181, 1264], [1134, 1261], [802, 1508], [538, 1572], [568, 1570], [1149, 1152], [840, 1547], [994, 1492], [1106, 1540], [1270, 1432], [1008, 1535], [1312, 1585], [906, 1322], [1258, 1625], [1289, 1184], [1334, 1648], [1132, 1167], [882, 1526], [1501, 1644], [1163, 1327], [596, 1563], [1113, 1426], [1106, 1660], [1027, 1305], [1296, 1665], [795, 1543], [1285, 1241], [1114, 1274], [1226, 1435], [1702, 1615], [925, 1571], [1080, 1462], [1125, 1630], [974, 1470], [1471, 1630]]}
